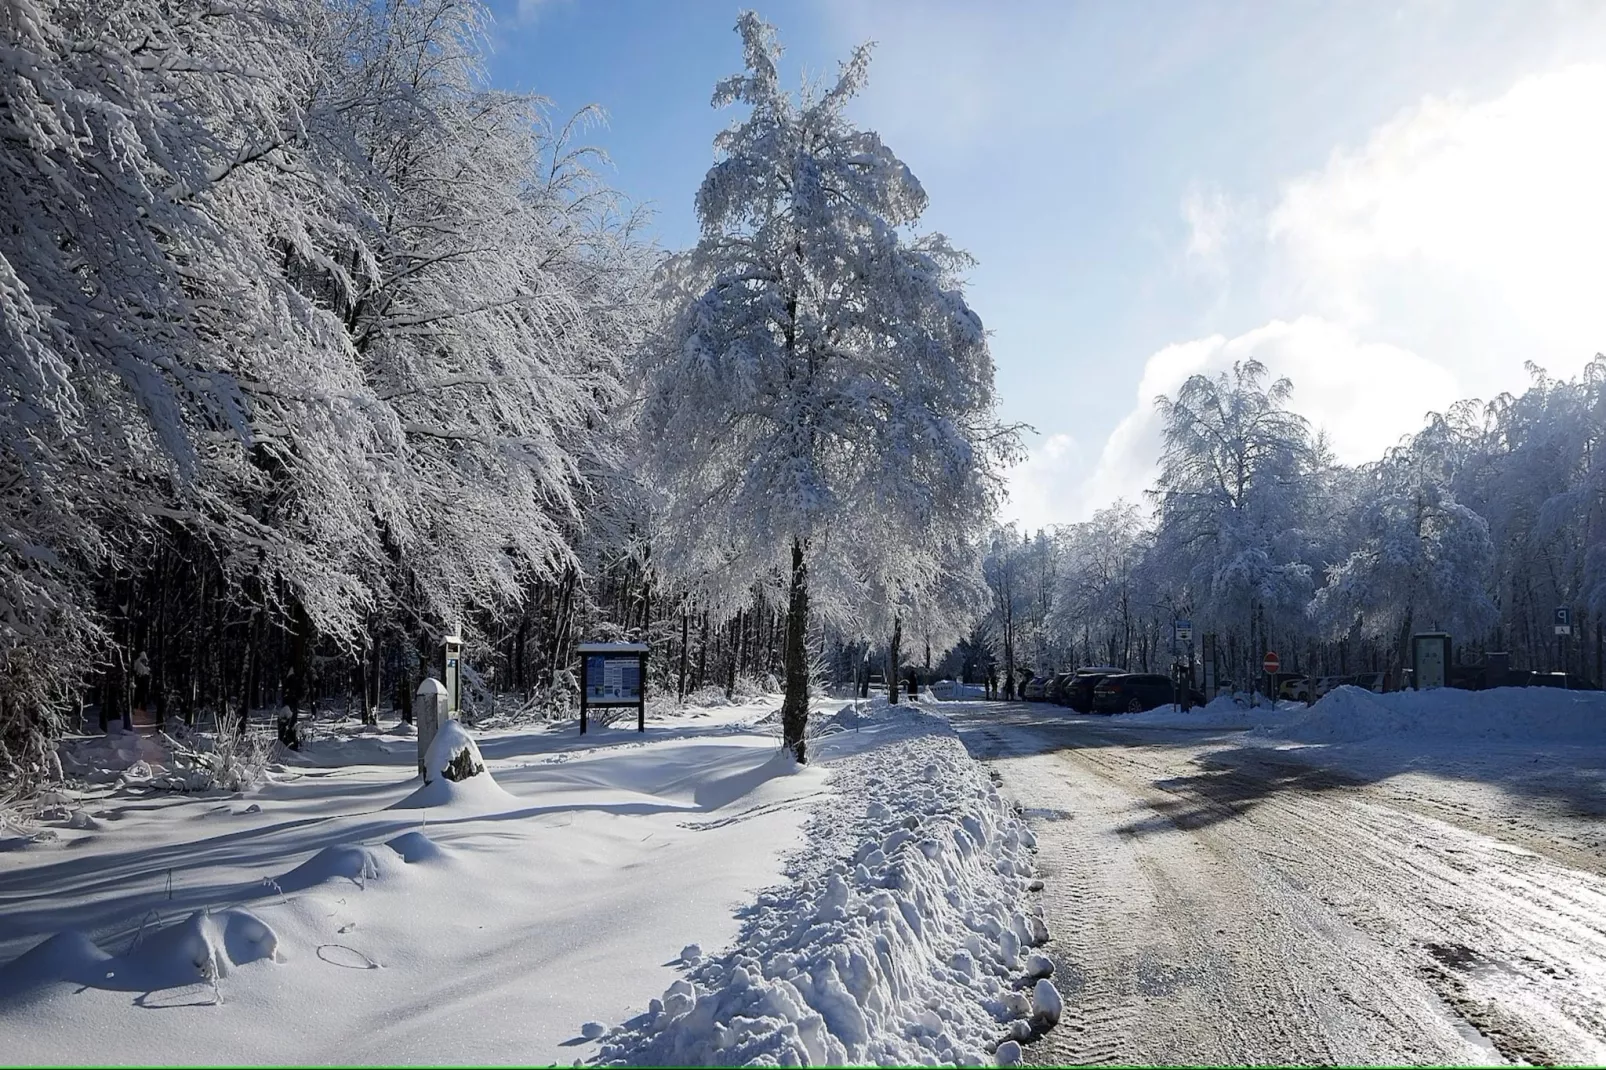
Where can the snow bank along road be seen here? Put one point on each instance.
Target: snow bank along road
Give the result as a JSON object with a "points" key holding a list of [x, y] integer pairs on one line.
{"points": [[1223, 896]]}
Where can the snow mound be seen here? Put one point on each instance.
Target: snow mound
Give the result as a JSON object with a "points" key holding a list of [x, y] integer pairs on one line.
{"points": [[359, 863], [454, 774], [452, 754], [416, 847], [201, 949], [1520, 714], [355, 862], [897, 941], [1223, 711], [713, 794]]}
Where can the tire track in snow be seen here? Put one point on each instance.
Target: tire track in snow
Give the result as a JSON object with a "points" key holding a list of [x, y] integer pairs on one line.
{"points": [[1199, 917]]}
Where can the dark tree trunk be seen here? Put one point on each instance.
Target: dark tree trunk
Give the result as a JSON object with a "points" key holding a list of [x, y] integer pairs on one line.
{"points": [[685, 634], [795, 706], [370, 697], [702, 652], [253, 668], [894, 660], [521, 640], [735, 656]]}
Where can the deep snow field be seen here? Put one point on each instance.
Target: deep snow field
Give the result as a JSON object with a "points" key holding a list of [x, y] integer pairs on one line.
{"points": [[872, 906]]}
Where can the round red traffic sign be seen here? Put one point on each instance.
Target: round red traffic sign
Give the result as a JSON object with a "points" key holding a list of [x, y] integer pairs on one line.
{"points": [[1271, 664]]}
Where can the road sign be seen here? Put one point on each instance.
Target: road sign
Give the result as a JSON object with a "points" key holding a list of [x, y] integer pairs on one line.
{"points": [[1564, 620], [1271, 664], [1184, 631]]}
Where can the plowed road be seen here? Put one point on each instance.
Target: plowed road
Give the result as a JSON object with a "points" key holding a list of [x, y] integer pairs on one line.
{"points": [[1214, 902]]}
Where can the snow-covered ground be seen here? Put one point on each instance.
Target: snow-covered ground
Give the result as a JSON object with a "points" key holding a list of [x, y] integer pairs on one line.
{"points": [[534, 914], [1409, 877], [902, 936], [1350, 714], [1372, 734]]}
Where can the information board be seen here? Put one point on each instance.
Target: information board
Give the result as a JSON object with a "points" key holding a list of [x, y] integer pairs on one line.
{"points": [[613, 674], [613, 681]]}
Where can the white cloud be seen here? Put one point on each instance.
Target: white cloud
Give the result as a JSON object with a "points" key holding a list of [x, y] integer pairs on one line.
{"points": [[1210, 218], [1365, 395], [1481, 220], [1041, 487], [526, 11]]}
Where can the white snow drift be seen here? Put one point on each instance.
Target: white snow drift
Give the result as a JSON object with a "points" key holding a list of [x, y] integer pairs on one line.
{"points": [[521, 913], [899, 937]]}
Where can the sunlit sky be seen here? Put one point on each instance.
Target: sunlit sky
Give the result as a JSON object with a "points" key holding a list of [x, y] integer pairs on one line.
{"points": [[1396, 205]]}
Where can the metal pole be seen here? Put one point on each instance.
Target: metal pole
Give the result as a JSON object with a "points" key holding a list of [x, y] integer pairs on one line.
{"points": [[585, 684], [641, 697]]}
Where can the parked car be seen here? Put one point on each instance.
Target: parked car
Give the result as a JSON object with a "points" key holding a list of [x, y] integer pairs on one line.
{"points": [[1134, 692], [1056, 688], [1078, 693], [1324, 684], [1569, 680], [1297, 689], [1371, 681], [1033, 689]]}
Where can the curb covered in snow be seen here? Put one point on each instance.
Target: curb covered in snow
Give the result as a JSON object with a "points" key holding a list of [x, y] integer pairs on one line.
{"points": [[899, 938]]}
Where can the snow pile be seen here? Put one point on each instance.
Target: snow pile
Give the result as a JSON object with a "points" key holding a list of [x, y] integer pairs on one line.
{"points": [[355, 862], [1223, 711], [198, 950], [900, 938], [454, 773], [1519, 714]]}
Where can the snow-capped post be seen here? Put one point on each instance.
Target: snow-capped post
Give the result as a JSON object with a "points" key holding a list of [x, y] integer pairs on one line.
{"points": [[430, 711], [613, 674]]}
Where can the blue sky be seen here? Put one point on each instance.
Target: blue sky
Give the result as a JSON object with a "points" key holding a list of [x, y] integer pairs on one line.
{"points": [[1395, 204]]}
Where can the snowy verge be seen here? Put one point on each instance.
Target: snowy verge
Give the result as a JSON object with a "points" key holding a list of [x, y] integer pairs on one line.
{"points": [[1349, 714], [1224, 711], [1517, 714], [900, 935], [482, 909]]}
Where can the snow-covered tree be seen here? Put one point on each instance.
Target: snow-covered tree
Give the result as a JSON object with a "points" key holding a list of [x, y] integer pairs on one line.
{"points": [[1232, 493], [133, 313], [1096, 597], [308, 332], [1423, 560], [821, 364]]}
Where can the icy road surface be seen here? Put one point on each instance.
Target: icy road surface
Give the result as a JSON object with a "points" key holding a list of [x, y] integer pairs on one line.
{"points": [[1215, 899]]}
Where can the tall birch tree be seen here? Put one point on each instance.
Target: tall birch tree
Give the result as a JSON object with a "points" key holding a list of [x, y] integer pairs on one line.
{"points": [[821, 364]]}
